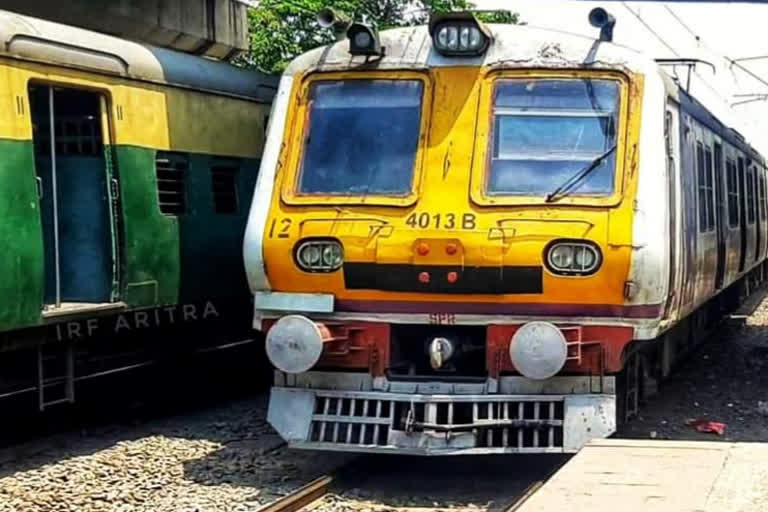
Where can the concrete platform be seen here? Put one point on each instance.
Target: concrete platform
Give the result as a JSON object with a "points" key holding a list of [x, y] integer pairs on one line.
{"points": [[659, 476]]}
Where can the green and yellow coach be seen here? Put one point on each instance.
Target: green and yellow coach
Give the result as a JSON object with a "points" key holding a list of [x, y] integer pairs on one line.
{"points": [[126, 173]]}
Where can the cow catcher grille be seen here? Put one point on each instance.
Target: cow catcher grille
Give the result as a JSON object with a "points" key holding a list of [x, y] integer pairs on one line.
{"points": [[377, 419]]}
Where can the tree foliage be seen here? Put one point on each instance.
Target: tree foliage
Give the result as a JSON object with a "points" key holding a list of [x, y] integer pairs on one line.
{"points": [[282, 29]]}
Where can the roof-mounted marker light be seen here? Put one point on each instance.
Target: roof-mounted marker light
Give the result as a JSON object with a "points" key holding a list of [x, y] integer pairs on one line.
{"points": [[364, 40], [458, 33], [600, 18]]}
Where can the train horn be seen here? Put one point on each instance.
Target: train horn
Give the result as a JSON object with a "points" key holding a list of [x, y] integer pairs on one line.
{"points": [[600, 18], [337, 21]]}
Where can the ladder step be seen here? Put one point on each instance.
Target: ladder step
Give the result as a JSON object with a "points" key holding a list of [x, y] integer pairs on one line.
{"points": [[63, 384]]}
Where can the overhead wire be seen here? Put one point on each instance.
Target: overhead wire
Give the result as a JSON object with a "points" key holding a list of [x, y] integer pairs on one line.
{"points": [[671, 48], [682, 23], [650, 29], [733, 62]]}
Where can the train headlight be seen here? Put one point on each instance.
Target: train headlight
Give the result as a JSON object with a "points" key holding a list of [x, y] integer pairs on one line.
{"points": [[458, 34], [578, 258], [538, 350], [319, 255]]}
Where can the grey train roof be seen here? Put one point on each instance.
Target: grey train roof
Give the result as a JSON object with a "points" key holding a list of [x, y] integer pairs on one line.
{"points": [[39, 40], [513, 45]]}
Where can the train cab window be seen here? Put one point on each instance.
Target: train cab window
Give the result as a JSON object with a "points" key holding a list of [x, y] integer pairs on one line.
{"points": [[750, 195], [706, 188], [224, 173], [361, 137], [171, 170], [732, 192], [545, 132]]}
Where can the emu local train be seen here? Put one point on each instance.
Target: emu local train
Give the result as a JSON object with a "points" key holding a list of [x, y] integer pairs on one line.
{"points": [[476, 239], [125, 177]]}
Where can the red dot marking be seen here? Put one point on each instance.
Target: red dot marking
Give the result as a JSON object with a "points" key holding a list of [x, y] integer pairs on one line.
{"points": [[422, 249], [424, 277], [452, 277], [451, 248]]}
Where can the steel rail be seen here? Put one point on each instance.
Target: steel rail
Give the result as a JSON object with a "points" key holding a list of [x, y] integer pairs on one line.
{"points": [[301, 497]]}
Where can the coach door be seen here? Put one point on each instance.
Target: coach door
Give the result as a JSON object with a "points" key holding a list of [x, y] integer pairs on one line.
{"points": [[76, 200], [721, 216], [672, 142]]}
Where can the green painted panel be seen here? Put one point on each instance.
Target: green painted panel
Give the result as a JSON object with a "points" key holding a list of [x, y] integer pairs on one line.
{"points": [[150, 245], [163, 259], [212, 242], [21, 243]]}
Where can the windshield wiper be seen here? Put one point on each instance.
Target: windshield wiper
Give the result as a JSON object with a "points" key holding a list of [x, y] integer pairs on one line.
{"points": [[569, 184]]}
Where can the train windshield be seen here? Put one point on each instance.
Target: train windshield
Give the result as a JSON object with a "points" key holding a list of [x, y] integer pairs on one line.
{"points": [[361, 138], [546, 131]]}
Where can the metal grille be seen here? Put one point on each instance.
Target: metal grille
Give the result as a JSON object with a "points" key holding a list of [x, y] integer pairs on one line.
{"points": [[171, 169], [498, 425], [224, 188], [351, 421], [528, 424]]}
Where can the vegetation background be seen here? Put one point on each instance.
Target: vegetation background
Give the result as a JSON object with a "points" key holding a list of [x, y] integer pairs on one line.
{"points": [[280, 30]]}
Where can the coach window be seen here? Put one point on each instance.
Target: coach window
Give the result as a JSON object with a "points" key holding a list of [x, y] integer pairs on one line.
{"points": [[733, 193], [750, 195], [224, 177], [761, 193], [710, 191], [706, 200], [171, 170]]}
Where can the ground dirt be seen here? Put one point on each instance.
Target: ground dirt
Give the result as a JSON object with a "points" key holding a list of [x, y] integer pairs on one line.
{"points": [[724, 380]]}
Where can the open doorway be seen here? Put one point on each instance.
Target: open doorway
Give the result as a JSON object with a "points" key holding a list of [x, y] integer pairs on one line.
{"points": [[75, 200]]}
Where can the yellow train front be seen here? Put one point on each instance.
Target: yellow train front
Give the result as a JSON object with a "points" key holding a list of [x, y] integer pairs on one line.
{"points": [[460, 231]]}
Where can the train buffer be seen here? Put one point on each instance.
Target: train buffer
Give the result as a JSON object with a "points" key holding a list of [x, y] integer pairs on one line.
{"points": [[610, 475]]}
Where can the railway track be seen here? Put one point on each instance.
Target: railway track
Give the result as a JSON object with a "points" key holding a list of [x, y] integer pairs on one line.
{"points": [[336, 491]]}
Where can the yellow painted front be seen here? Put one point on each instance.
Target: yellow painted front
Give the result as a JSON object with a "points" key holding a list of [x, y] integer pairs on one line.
{"points": [[143, 114], [509, 234]]}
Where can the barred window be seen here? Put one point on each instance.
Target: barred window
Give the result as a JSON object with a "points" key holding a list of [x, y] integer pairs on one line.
{"points": [[171, 170], [224, 186]]}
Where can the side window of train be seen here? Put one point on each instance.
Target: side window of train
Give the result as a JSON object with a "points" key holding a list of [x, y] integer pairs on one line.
{"points": [[705, 188], [710, 190], [171, 170], [761, 193], [732, 193], [224, 174], [750, 195]]}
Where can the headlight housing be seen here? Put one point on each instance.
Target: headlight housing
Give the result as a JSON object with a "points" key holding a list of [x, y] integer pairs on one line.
{"points": [[572, 257], [319, 255], [458, 34]]}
